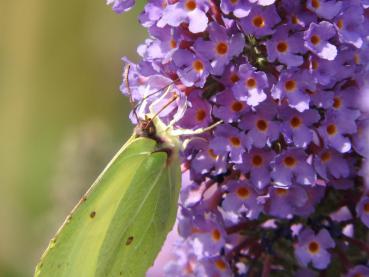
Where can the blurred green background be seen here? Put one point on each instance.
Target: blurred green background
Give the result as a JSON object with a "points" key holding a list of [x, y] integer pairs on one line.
{"points": [[61, 114]]}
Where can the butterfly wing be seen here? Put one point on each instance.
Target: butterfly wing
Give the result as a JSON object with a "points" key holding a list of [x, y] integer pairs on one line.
{"points": [[118, 228]]}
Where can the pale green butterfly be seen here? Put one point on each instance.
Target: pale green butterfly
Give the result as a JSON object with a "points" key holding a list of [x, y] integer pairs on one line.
{"points": [[120, 225]]}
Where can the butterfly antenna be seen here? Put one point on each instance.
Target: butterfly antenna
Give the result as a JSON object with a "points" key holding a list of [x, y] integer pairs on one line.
{"points": [[167, 88], [156, 92], [126, 82], [170, 101], [199, 131], [159, 90]]}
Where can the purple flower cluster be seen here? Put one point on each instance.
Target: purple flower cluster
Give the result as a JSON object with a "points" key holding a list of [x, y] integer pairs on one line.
{"points": [[280, 187], [120, 6]]}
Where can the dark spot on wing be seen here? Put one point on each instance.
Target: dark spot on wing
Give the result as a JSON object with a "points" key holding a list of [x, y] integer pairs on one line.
{"points": [[129, 240], [82, 200], [93, 214]]}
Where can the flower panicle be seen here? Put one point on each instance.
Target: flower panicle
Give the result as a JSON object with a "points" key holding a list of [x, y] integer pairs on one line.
{"points": [[284, 178]]}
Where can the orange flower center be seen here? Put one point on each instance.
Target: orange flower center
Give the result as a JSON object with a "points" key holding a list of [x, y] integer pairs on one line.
{"points": [[237, 106], [222, 48], [295, 20], [257, 160], [262, 125], [190, 5], [357, 58], [315, 39], [290, 85], [251, 83], [215, 235], [326, 156], [212, 154], [221, 265], [331, 129], [366, 208], [198, 66], [258, 21], [234, 78], [281, 192], [173, 43], [282, 46], [235, 141], [340, 24], [315, 4], [243, 192], [314, 247], [337, 102], [295, 122], [200, 115], [314, 64], [290, 161]]}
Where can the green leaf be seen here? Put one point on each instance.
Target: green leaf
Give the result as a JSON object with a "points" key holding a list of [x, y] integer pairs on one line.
{"points": [[121, 223]]}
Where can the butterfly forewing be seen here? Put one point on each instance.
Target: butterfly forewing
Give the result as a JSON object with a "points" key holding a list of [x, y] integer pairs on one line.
{"points": [[120, 225]]}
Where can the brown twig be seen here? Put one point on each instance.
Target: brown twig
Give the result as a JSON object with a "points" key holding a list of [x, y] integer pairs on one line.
{"points": [[243, 244], [238, 227], [266, 266], [343, 258], [360, 244]]}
